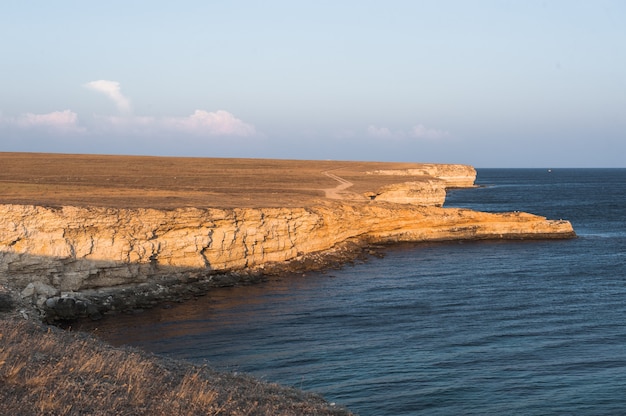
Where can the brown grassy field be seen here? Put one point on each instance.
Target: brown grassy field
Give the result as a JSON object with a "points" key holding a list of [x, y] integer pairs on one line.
{"points": [[172, 182]]}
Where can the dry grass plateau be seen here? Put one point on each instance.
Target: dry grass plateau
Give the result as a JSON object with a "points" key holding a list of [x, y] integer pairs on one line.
{"points": [[173, 182]]}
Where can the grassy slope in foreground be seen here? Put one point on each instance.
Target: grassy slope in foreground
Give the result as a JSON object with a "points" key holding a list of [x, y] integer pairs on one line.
{"points": [[50, 371]]}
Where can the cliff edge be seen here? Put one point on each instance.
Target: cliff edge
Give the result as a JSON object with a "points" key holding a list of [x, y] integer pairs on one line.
{"points": [[87, 259]]}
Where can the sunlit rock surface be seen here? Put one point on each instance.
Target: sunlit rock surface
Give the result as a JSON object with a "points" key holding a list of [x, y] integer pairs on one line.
{"points": [[48, 253]]}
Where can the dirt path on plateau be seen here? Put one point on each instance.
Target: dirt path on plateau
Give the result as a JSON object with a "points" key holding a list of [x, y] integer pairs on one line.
{"points": [[338, 191]]}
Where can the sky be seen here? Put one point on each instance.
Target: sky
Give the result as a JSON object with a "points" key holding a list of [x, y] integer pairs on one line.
{"points": [[517, 83]]}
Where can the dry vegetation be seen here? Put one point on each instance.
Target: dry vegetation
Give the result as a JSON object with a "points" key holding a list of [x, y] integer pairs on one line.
{"points": [[173, 182], [49, 371]]}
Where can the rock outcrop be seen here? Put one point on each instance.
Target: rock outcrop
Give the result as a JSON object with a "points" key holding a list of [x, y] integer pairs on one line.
{"points": [[430, 192], [63, 258], [454, 176]]}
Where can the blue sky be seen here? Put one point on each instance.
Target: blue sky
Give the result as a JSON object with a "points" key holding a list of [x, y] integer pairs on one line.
{"points": [[520, 83]]}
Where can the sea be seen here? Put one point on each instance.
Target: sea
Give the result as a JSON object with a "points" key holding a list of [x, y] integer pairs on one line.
{"points": [[457, 328]]}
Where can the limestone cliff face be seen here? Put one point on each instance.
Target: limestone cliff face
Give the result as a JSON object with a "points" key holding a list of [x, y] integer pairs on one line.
{"points": [[66, 260], [453, 176], [430, 192], [73, 249]]}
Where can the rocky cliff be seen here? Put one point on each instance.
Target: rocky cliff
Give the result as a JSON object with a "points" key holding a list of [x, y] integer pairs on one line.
{"points": [[425, 185], [64, 259], [453, 176]]}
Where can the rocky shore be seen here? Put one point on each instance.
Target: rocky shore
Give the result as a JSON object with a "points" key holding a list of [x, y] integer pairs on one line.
{"points": [[78, 242], [74, 262], [78, 261]]}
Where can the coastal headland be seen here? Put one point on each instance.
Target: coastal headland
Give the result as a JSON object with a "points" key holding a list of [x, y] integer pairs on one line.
{"points": [[85, 235]]}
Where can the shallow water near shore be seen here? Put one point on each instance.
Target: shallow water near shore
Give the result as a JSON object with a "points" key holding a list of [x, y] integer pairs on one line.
{"points": [[495, 327]]}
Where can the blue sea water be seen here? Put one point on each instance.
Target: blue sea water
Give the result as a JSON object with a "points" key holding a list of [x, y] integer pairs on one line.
{"points": [[492, 327]]}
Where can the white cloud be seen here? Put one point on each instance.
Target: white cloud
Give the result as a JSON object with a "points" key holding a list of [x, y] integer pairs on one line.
{"points": [[200, 123], [65, 121], [218, 123], [112, 90]]}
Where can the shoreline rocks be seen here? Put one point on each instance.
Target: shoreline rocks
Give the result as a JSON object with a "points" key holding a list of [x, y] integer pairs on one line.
{"points": [[96, 303]]}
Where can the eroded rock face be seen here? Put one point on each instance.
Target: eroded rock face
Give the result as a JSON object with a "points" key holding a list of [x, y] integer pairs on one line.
{"points": [[102, 255], [454, 176], [73, 249], [424, 193]]}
